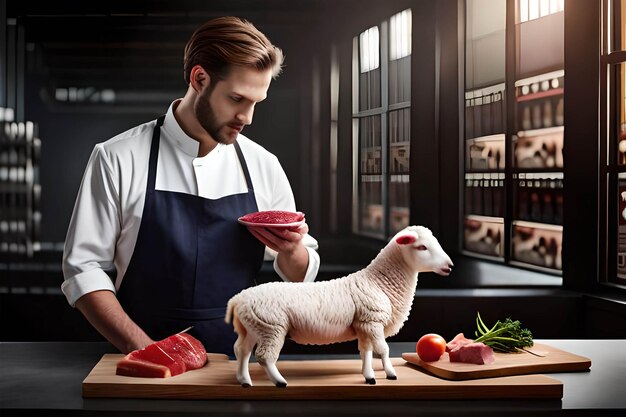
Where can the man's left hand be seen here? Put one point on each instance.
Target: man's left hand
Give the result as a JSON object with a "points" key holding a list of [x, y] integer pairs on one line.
{"points": [[293, 257], [282, 240]]}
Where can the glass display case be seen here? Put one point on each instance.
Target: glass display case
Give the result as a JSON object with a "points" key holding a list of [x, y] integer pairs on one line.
{"points": [[513, 139], [538, 197], [537, 244], [484, 235], [485, 129]]}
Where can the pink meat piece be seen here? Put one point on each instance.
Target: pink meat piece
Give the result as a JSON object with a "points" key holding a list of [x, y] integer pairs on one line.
{"points": [[459, 340], [168, 357], [462, 349]]}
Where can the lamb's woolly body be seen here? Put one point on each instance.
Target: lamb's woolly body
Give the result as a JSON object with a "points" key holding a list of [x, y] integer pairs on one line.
{"points": [[296, 309], [368, 305], [323, 312]]}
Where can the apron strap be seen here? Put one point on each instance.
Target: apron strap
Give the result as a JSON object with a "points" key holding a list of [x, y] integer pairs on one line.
{"points": [[154, 156], [244, 166]]}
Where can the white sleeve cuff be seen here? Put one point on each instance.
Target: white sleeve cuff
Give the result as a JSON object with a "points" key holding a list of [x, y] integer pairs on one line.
{"points": [[86, 282], [311, 270]]}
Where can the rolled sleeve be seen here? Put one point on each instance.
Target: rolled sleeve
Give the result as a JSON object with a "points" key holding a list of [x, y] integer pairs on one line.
{"points": [[311, 270], [86, 282], [92, 233]]}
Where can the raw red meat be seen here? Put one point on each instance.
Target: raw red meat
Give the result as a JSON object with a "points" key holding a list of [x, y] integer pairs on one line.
{"points": [[151, 362], [168, 357], [187, 348], [459, 340], [461, 349], [133, 367], [273, 217]]}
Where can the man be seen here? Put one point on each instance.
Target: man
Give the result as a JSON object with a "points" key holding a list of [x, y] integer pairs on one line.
{"points": [[160, 203]]}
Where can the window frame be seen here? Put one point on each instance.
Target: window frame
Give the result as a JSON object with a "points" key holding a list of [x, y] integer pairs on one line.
{"points": [[610, 170], [383, 112]]}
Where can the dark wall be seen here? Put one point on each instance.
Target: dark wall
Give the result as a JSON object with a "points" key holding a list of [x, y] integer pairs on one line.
{"points": [[68, 137]]}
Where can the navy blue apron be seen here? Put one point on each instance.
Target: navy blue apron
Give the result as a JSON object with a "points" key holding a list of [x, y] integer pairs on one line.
{"points": [[191, 256]]}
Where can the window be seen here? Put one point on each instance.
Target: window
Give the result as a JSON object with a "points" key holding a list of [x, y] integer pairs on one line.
{"points": [[513, 198], [534, 9], [613, 145], [381, 126], [485, 128]]}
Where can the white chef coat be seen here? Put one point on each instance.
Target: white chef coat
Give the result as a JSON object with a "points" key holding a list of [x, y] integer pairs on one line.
{"points": [[108, 210]]}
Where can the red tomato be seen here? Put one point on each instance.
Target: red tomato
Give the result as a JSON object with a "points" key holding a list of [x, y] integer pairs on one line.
{"points": [[430, 347]]}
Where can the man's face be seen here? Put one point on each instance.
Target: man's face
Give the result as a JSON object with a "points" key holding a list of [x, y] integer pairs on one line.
{"points": [[226, 107]]}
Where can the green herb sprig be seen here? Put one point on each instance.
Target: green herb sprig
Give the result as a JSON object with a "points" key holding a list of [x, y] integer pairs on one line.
{"points": [[507, 336]]}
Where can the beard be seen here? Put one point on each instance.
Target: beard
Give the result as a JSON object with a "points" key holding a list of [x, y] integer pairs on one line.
{"points": [[208, 120]]}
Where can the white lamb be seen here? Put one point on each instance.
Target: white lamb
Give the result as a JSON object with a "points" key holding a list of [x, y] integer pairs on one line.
{"points": [[368, 305]]}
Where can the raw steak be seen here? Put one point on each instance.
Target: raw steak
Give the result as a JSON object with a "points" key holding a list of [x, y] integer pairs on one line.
{"points": [[461, 349], [188, 349], [273, 217], [168, 357], [459, 340]]}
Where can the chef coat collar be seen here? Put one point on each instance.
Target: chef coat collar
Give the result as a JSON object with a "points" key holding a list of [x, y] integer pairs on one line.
{"points": [[175, 133]]}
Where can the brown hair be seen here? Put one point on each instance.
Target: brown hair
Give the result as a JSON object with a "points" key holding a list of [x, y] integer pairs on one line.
{"points": [[230, 41]]}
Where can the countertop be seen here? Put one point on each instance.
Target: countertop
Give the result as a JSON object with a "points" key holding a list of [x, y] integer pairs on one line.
{"points": [[45, 378]]}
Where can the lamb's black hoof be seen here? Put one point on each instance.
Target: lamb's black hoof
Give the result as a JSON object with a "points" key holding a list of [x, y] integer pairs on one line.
{"points": [[246, 385], [371, 381], [393, 377], [281, 384]]}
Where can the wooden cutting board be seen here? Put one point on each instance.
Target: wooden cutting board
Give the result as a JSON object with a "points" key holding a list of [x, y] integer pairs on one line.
{"points": [[506, 364], [315, 379]]}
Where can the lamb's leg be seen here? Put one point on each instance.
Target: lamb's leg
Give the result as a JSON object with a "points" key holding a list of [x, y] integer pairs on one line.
{"points": [[382, 348], [372, 338], [365, 351], [273, 374], [267, 352], [243, 350]]}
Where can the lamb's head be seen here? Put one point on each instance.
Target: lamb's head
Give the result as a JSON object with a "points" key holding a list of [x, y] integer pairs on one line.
{"points": [[422, 251]]}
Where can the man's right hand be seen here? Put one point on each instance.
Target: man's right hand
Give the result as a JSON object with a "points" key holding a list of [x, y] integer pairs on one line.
{"points": [[103, 310]]}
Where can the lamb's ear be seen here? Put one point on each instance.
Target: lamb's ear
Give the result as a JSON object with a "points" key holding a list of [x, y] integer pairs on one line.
{"points": [[407, 239]]}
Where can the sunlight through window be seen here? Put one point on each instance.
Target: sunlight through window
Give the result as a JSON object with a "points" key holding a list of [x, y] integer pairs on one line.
{"points": [[534, 9], [400, 35], [370, 58]]}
